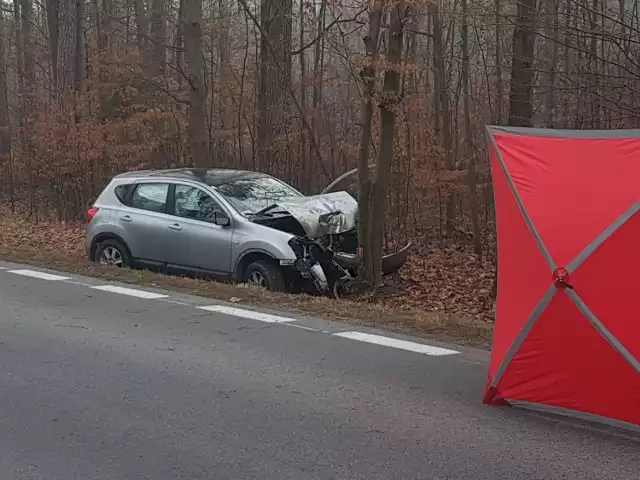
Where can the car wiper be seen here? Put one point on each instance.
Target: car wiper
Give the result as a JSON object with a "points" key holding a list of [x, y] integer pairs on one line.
{"points": [[264, 210]]}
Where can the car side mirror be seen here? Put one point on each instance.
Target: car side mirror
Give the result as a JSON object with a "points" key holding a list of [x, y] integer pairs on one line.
{"points": [[221, 219]]}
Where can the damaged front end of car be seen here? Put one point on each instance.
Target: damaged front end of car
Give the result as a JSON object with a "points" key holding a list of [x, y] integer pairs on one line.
{"points": [[325, 241]]}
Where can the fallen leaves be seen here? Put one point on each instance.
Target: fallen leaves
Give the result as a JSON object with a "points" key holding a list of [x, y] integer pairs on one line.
{"points": [[450, 281]]}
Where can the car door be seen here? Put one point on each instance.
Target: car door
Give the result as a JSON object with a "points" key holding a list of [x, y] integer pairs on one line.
{"points": [[145, 223], [201, 244]]}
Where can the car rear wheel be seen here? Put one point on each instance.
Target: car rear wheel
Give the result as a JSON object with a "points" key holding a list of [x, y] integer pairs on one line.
{"points": [[112, 253], [265, 274]]}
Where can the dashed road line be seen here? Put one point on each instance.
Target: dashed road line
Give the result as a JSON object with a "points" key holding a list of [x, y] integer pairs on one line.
{"points": [[381, 340], [253, 315], [396, 343], [132, 292], [40, 275]]}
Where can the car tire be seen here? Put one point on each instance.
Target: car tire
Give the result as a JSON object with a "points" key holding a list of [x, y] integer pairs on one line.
{"points": [[113, 253], [265, 274]]}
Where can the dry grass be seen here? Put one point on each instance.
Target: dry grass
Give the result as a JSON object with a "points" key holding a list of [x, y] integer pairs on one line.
{"points": [[61, 247]]}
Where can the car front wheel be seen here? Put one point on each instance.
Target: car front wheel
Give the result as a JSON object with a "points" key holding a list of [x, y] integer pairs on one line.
{"points": [[265, 274]]}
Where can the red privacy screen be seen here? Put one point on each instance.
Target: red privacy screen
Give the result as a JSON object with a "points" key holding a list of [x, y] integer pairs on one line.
{"points": [[567, 332]]}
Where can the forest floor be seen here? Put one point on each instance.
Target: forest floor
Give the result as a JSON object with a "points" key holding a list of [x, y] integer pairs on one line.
{"points": [[442, 293]]}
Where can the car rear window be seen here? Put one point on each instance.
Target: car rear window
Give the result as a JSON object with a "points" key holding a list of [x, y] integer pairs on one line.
{"points": [[123, 193]]}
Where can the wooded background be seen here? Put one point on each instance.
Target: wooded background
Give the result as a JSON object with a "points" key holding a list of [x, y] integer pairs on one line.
{"points": [[92, 88]]}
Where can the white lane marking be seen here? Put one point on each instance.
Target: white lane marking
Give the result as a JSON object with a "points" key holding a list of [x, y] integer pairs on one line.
{"points": [[4, 268], [40, 275], [395, 343], [129, 291], [239, 312]]}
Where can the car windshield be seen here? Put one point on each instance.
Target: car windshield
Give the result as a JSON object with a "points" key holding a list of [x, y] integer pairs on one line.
{"points": [[250, 195]]}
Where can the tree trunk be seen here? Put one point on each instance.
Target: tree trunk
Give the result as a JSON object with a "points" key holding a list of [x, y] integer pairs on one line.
{"points": [[224, 82], [388, 104], [27, 43], [368, 75], [197, 116], [158, 34], [53, 24], [443, 103], [80, 69], [318, 68], [524, 38], [275, 79], [304, 173], [142, 25], [551, 51], [5, 126], [178, 43], [499, 100], [468, 132]]}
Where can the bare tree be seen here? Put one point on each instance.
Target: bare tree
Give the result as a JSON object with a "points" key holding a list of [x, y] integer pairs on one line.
{"points": [[195, 69], [388, 104], [522, 72], [470, 150], [365, 190], [275, 78]]}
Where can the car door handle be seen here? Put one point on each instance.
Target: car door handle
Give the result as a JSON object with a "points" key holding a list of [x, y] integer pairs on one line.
{"points": [[175, 226], [126, 218]]}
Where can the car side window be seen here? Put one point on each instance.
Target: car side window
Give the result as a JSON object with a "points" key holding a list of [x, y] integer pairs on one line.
{"points": [[150, 196], [191, 202]]}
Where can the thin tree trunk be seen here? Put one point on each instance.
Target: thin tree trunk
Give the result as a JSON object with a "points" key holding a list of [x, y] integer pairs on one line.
{"points": [[499, 100], [368, 75], [53, 24], [224, 82], [304, 173], [524, 37], [79, 72], [5, 126], [468, 132], [443, 95], [178, 44], [197, 116], [142, 25], [388, 105], [551, 50], [158, 34]]}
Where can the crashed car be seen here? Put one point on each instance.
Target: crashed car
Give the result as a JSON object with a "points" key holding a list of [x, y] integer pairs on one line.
{"points": [[230, 225]]}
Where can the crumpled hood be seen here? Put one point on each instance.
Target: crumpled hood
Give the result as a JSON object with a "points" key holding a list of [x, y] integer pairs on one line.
{"points": [[320, 215]]}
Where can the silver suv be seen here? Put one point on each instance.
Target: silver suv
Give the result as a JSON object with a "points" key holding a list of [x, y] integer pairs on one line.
{"points": [[230, 225]]}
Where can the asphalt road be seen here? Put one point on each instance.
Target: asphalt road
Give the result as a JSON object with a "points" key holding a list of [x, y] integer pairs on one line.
{"points": [[100, 385]]}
